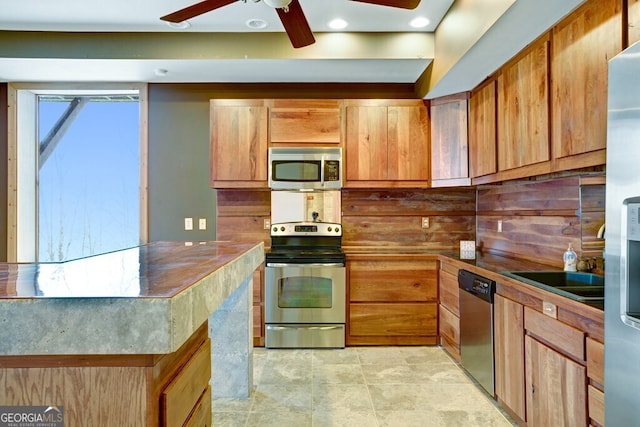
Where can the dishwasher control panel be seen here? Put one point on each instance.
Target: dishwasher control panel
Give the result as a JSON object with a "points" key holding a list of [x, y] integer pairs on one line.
{"points": [[477, 285]]}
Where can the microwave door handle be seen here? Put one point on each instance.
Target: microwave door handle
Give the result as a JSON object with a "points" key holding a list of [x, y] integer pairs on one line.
{"points": [[322, 171]]}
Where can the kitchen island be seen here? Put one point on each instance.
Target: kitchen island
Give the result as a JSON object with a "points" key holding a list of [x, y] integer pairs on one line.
{"points": [[130, 337]]}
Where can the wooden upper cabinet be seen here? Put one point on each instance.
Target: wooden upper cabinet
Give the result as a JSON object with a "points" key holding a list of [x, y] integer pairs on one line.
{"points": [[523, 119], [304, 121], [449, 141], [582, 44], [633, 24], [386, 143], [366, 143], [238, 144], [482, 131]]}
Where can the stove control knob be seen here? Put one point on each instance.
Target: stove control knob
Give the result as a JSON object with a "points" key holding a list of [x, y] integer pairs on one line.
{"points": [[275, 229], [337, 230], [282, 228], [329, 228]]}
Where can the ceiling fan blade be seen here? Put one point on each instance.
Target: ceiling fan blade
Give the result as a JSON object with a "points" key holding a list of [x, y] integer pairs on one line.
{"points": [[296, 25], [195, 10], [403, 4]]}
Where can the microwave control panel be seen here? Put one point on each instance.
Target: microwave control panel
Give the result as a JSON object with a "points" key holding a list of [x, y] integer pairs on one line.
{"points": [[332, 170]]}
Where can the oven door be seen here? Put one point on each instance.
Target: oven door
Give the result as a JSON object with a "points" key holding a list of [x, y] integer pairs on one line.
{"points": [[305, 293]]}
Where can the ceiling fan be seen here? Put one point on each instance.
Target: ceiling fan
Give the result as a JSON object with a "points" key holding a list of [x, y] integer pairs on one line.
{"points": [[289, 11]]}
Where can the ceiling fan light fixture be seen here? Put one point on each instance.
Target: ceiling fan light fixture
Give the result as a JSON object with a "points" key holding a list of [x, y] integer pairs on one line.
{"points": [[338, 24], [179, 25], [278, 4], [419, 22]]}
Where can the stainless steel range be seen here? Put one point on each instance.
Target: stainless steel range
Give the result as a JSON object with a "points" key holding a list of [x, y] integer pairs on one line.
{"points": [[305, 286]]}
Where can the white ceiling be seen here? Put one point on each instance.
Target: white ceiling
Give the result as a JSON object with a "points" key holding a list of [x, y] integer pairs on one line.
{"points": [[520, 24], [144, 15]]}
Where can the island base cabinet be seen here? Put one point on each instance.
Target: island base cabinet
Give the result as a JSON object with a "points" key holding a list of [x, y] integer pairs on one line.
{"points": [[116, 390]]}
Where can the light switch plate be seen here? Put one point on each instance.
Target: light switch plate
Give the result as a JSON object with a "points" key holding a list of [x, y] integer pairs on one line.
{"points": [[188, 223], [425, 222], [202, 224]]}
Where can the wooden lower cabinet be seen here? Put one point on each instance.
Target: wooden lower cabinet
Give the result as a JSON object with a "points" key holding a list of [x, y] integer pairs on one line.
{"points": [[556, 387], [258, 306], [392, 299], [509, 354], [541, 367], [449, 309]]}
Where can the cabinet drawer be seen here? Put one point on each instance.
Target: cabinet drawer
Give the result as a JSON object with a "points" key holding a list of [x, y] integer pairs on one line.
{"points": [[558, 334], [393, 281], [595, 361], [449, 328], [596, 405], [201, 415], [182, 394], [449, 292], [392, 319]]}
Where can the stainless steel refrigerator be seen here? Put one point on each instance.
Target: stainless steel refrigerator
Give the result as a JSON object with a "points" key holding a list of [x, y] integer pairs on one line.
{"points": [[622, 247]]}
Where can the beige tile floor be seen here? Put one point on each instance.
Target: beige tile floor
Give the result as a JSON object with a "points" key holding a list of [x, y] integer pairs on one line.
{"points": [[359, 386]]}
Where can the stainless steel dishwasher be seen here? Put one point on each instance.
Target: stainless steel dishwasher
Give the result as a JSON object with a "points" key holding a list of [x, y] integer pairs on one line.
{"points": [[476, 327]]}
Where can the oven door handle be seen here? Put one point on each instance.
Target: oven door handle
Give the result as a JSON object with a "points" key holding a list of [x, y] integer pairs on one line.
{"points": [[315, 264]]}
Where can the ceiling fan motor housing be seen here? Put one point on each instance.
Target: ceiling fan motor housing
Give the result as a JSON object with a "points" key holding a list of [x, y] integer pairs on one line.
{"points": [[278, 4]]}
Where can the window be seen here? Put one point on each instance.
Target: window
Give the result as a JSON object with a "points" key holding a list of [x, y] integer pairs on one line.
{"points": [[79, 173]]}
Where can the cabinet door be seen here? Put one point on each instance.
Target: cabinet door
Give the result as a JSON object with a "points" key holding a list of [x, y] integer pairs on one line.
{"points": [[509, 354], [238, 144], [482, 131], [523, 122], [449, 141], [556, 388], [633, 26], [387, 143], [366, 144], [582, 46], [304, 121], [407, 143]]}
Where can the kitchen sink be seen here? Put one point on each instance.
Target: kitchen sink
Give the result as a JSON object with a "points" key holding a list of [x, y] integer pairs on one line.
{"points": [[575, 285]]}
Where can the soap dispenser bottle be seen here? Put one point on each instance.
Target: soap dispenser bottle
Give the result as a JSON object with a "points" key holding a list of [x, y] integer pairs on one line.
{"points": [[570, 259]]}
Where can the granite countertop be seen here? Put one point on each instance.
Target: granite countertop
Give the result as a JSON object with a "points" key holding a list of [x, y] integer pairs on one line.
{"points": [[143, 300]]}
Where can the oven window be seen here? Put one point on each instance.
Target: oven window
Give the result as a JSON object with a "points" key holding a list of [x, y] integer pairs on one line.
{"points": [[305, 292], [296, 170]]}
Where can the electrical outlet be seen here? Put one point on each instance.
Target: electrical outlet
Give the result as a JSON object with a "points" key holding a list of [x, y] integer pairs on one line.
{"points": [[202, 224], [499, 226], [188, 223], [267, 224], [425, 222]]}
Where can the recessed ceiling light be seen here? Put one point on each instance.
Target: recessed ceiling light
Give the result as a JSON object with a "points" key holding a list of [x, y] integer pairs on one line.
{"points": [[419, 22], [338, 24], [256, 23], [179, 25]]}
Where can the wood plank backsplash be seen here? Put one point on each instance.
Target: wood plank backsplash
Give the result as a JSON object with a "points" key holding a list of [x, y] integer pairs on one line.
{"points": [[394, 217], [541, 218]]}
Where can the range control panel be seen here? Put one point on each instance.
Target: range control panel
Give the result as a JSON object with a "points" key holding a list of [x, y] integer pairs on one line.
{"points": [[306, 229]]}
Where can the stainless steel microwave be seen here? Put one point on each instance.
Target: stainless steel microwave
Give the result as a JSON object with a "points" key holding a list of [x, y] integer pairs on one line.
{"points": [[305, 168]]}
